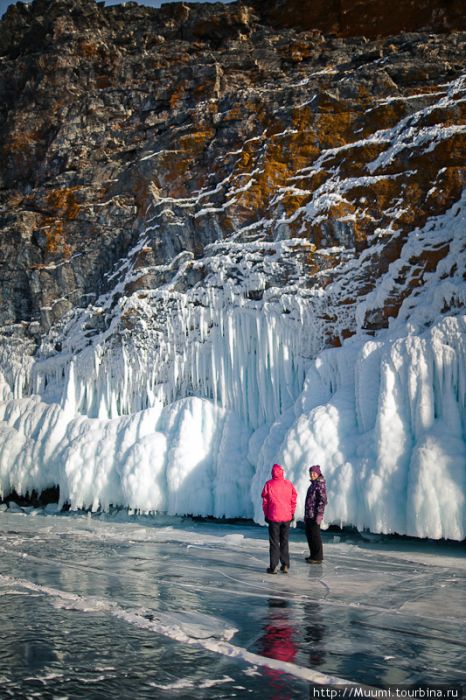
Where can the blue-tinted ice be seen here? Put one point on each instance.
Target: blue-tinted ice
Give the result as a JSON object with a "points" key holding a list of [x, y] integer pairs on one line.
{"points": [[146, 608]]}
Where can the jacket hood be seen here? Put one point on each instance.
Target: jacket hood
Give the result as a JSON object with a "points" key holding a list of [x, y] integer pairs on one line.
{"points": [[277, 471]]}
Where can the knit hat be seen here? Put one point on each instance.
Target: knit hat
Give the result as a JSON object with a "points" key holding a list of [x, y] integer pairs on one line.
{"points": [[316, 469]]}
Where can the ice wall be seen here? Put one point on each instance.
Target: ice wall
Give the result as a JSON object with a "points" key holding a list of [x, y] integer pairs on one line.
{"points": [[229, 387], [248, 358], [384, 418], [188, 458], [386, 421]]}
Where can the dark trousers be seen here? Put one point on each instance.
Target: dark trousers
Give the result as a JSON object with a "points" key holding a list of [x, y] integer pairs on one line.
{"points": [[314, 540], [278, 539]]}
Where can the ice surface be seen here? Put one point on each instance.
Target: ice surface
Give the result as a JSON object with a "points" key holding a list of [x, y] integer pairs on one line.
{"points": [[189, 606]]}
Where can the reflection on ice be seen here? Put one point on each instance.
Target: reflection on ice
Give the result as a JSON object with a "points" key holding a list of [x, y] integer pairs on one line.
{"points": [[277, 643], [277, 640], [191, 607]]}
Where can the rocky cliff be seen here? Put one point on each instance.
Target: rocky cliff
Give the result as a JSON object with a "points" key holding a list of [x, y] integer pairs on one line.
{"points": [[179, 182], [230, 123]]}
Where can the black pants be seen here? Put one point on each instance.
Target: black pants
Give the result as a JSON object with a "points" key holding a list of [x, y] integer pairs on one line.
{"points": [[314, 540], [278, 539]]}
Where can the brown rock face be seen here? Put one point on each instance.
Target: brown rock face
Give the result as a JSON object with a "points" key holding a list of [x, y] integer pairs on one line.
{"points": [[276, 141], [370, 18]]}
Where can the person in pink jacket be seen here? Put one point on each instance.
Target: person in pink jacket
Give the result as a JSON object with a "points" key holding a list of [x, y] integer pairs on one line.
{"points": [[279, 505]]}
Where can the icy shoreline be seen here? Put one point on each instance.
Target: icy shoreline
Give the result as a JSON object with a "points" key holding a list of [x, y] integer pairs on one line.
{"points": [[127, 516]]}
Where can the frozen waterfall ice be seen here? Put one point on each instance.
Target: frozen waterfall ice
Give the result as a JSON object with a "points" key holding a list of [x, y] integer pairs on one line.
{"points": [[192, 423], [385, 419]]}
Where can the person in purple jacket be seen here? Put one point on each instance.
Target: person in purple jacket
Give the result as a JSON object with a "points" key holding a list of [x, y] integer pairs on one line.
{"points": [[316, 500]]}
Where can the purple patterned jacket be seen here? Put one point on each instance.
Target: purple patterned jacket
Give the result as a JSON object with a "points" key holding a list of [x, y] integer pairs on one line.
{"points": [[316, 500]]}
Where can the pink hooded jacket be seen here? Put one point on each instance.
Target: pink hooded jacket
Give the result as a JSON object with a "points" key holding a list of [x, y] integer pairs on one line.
{"points": [[279, 497]]}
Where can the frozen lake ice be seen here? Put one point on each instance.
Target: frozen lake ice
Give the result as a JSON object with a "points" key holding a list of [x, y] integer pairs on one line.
{"points": [[114, 606]]}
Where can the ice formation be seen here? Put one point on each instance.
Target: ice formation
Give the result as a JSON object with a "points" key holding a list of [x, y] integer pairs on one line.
{"points": [[193, 425]]}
